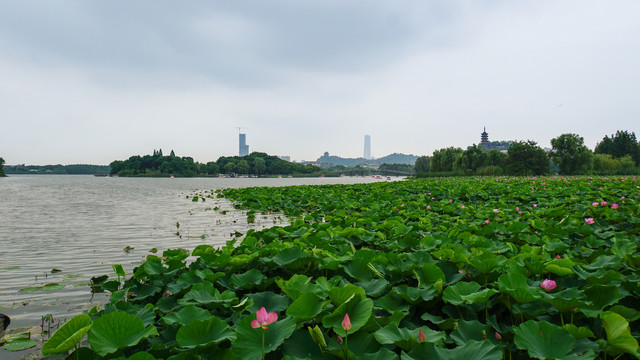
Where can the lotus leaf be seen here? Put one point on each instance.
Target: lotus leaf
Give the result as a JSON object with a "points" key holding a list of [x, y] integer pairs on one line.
{"points": [[205, 332], [68, 335], [117, 330]]}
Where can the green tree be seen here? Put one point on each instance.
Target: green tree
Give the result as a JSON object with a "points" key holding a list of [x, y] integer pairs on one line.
{"points": [[230, 167], [621, 144], [526, 158], [571, 155], [445, 159], [243, 167], [422, 164], [2, 174], [259, 166], [472, 159]]}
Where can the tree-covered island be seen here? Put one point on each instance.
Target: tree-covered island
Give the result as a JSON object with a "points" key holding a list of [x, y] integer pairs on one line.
{"points": [[257, 163]]}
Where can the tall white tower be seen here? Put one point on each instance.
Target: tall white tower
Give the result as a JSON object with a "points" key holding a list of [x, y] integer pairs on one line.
{"points": [[367, 147]]}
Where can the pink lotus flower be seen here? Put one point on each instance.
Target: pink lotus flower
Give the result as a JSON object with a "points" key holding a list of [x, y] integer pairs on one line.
{"points": [[535, 205], [615, 206], [450, 200], [428, 207], [421, 337], [517, 208], [346, 323], [461, 206], [548, 285], [558, 257], [263, 319], [603, 203], [589, 220], [495, 210], [487, 222], [595, 203]]}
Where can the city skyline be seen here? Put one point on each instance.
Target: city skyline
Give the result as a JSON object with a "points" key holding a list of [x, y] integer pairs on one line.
{"points": [[91, 82]]}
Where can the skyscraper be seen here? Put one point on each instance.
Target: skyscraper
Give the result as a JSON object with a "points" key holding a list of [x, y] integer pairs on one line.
{"points": [[367, 147], [244, 148]]}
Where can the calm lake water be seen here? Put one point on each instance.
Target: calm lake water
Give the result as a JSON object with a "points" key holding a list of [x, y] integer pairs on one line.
{"points": [[81, 224]]}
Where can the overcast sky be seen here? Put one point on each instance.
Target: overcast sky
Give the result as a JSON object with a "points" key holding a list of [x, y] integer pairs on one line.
{"points": [[95, 81]]}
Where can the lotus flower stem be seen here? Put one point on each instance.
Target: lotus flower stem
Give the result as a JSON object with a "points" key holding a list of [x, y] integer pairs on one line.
{"points": [[263, 331]]}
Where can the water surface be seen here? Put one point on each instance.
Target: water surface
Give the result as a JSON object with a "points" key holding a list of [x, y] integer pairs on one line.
{"points": [[81, 224]]}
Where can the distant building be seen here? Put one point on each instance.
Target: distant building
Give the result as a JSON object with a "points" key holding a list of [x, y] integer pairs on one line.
{"points": [[484, 139], [487, 145], [244, 148], [285, 158], [367, 147]]}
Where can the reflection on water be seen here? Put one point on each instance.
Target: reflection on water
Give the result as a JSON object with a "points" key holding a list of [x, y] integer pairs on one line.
{"points": [[81, 224]]}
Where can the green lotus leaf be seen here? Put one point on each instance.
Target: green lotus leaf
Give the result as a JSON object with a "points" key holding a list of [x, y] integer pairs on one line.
{"points": [[117, 330], [206, 294], [453, 293], [414, 295], [68, 335], [618, 333], [203, 333], [271, 301], [567, 299], [186, 315], [248, 343], [300, 345], [118, 269], [247, 280], [296, 285], [407, 338], [53, 286], [601, 296], [578, 332], [19, 345], [340, 295], [374, 287], [627, 313], [305, 307], [543, 340], [470, 330], [480, 297], [511, 281], [472, 350], [487, 262], [430, 274], [359, 313]]}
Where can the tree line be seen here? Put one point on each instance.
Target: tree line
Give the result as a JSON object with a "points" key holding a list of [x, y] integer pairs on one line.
{"points": [[2, 167], [78, 169], [258, 164], [618, 154]]}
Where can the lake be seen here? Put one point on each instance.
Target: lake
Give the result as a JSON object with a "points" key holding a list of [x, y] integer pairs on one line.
{"points": [[82, 224]]}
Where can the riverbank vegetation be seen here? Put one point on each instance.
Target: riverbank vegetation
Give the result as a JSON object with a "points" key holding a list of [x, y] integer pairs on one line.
{"points": [[79, 169], [456, 268], [2, 167], [618, 154], [257, 164]]}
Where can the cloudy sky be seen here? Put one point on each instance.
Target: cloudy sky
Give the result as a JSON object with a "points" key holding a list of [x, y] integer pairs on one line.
{"points": [[96, 81]]}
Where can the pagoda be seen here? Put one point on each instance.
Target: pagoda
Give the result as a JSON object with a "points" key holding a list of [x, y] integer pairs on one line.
{"points": [[484, 139]]}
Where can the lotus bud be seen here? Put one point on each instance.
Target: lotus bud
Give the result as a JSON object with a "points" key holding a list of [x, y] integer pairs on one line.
{"points": [[339, 339], [421, 337], [498, 336], [346, 323], [318, 337]]}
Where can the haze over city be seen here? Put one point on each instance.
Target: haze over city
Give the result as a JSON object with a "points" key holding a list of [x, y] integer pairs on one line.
{"points": [[92, 82]]}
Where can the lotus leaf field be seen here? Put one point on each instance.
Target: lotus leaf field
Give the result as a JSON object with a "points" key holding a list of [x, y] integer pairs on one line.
{"points": [[449, 268]]}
